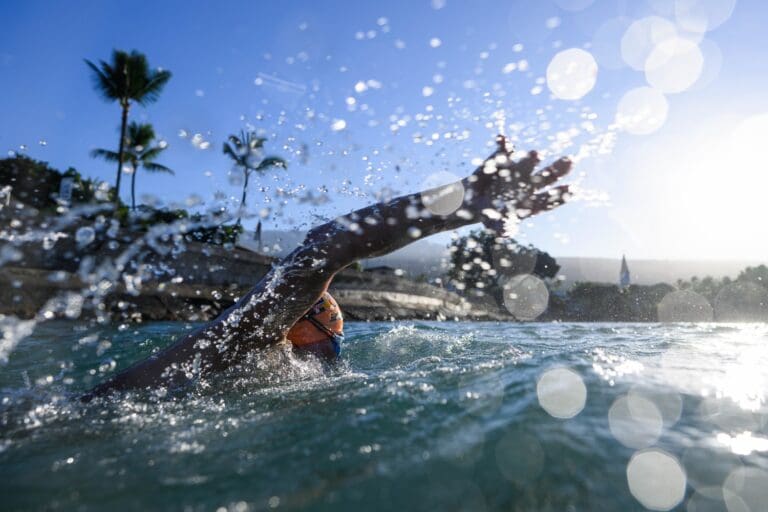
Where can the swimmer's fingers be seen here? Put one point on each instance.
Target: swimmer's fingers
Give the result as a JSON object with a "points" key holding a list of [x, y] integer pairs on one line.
{"points": [[551, 173], [500, 158], [523, 168], [544, 201], [502, 146]]}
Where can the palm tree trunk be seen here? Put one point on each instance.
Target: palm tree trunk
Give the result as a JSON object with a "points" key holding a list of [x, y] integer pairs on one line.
{"points": [[242, 199], [121, 150], [133, 187]]}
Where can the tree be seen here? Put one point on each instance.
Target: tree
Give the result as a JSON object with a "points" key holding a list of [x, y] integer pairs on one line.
{"points": [[37, 184], [127, 79], [245, 151], [139, 152], [480, 263], [757, 275]]}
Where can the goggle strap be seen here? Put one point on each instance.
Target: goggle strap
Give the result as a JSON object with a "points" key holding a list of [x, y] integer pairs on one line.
{"points": [[325, 330]]}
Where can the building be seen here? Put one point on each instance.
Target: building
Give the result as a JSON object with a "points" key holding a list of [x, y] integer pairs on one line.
{"points": [[624, 277]]}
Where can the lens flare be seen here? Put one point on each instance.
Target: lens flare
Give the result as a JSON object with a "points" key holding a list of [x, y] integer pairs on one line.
{"points": [[684, 306], [656, 479], [444, 193], [606, 43], [642, 110], [561, 392], [571, 74], [703, 15], [746, 490], [635, 421], [641, 38], [525, 296], [674, 65]]}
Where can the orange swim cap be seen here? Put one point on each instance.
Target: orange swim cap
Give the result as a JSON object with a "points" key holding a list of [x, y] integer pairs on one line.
{"points": [[323, 322]]}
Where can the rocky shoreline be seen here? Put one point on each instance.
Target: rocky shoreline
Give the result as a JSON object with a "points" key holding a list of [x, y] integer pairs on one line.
{"points": [[193, 282]]}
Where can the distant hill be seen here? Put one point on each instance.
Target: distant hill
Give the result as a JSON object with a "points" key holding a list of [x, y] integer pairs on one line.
{"points": [[427, 258]]}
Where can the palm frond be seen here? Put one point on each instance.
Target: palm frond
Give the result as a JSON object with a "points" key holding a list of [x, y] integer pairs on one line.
{"points": [[103, 81], [236, 141], [140, 134], [128, 78], [233, 154], [153, 167], [255, 142], [150, 154], [109, 156], [154, 83], [271, 161]]}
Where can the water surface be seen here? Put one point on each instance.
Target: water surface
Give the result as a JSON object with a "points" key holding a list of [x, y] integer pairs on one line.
{"points": [[416, 416]]}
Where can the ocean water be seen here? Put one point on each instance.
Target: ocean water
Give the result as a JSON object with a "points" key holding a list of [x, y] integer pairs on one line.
{"points": [[416, 416]]}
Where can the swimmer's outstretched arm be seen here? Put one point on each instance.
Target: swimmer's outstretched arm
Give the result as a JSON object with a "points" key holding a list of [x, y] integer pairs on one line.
{"points": [[498, 190]]}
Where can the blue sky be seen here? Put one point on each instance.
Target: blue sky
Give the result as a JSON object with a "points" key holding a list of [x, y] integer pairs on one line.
{"points": [[439, 68]]}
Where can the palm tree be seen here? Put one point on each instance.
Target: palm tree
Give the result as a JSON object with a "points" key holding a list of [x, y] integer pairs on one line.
{"points": [[245, 151], [127, 79], [138, 151]]}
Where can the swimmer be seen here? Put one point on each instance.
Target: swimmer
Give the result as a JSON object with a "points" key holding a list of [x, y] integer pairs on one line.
{"points": [[321, 330], [500, 189]]}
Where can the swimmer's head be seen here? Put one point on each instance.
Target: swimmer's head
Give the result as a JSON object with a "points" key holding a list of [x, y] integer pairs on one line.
{"points": [[321, 329]]}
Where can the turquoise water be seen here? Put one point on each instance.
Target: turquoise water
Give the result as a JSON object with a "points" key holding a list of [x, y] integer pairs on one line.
{"points": [[417, 416]]}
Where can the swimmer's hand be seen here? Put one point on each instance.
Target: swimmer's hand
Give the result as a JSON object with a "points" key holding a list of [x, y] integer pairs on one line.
{"points": [[505, 189]]}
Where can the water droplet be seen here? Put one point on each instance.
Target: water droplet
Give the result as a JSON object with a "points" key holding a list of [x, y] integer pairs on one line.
{"points": [[85, 235], [552, 22]]}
